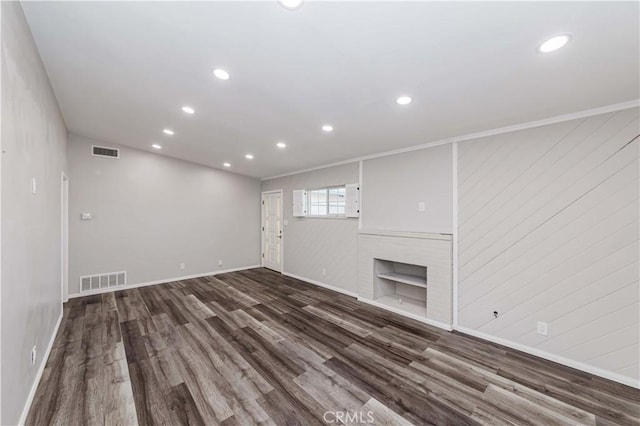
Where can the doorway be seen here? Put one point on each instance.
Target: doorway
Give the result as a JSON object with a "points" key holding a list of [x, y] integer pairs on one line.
{"points": [[64, 229], [272, 241]]}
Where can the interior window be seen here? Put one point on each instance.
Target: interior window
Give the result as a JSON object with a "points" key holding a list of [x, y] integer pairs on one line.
{"points": [[327, 201]]}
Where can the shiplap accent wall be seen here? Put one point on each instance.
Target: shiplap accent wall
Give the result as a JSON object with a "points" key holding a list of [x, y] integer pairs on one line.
{"points": [[548, 231]]}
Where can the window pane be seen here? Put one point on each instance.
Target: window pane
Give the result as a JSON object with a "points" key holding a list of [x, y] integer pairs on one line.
{"points": [[337, 201], [318, 202]]}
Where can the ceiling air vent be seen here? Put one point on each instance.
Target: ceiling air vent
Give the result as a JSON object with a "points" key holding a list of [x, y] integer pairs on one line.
{"points": [[103, 151]]}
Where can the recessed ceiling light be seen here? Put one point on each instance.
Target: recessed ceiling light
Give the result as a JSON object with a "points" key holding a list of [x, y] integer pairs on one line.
{"points": [[554, 43], [156, 146], [290, 4], [281, 145], [327, 128], [226, 164], [403, 100], [168, 132], [221, 74], [249, 156], [188, 109]]}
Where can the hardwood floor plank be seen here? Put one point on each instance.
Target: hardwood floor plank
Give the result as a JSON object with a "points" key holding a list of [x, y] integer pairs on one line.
{"points": [[108, 302], [184, 407], [211, 403], [119, 405], [539, 399], [133, 344], [380, 414], [256, 347], [150, 404]]}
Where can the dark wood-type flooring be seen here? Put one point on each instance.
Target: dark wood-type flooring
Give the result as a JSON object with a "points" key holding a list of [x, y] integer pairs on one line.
{"points": [[255, 347]]}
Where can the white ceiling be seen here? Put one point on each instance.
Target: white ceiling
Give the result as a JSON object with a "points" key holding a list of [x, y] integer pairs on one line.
{"points": [[122, 71]]}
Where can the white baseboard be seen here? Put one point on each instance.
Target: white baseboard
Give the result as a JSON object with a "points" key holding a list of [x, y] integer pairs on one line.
{"points": [[162, 281], [43, 363], [407, 314], [551, 357], [371, 302], [319, 284]]}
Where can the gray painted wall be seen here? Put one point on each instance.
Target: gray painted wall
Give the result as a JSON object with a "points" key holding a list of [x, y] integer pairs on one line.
{"points": [[311, 244], [34, 139], [151, 213], [548, 231], [393, 186]]}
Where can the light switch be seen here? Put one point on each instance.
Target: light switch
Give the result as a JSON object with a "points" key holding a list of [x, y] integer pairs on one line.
{"points": [[33, 186], [286, 222], [421, 206], [86, 216]]}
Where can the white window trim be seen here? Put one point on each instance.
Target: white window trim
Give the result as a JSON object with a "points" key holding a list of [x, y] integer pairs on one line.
{"points": [[324, 216]]}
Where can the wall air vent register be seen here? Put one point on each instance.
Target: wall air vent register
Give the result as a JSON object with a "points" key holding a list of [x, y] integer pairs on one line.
{"points": [[101, 281], [103, 151]]}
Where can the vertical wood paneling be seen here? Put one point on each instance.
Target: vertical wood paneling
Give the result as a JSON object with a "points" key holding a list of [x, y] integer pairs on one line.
{"points": [[548, 231]]}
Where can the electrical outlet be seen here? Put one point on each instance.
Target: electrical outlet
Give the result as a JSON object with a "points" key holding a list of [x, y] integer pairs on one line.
{"points": [[422, 206], [324, 272], [220, 262], [34, 355], [182, 265], [543, 328]]}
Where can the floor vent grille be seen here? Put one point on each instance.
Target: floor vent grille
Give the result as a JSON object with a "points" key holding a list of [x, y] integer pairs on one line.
{"points": [[100, 281]]}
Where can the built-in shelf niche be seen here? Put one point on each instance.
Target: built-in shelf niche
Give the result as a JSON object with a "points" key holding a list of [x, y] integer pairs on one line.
{"points": [[401, 286]]}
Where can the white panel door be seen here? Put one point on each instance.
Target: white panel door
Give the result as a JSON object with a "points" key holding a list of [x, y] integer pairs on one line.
{"points": [[272, 230]]}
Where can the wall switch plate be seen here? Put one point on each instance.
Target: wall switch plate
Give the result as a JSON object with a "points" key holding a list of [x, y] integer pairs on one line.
{"points": [[220, 262], [286, 222], [543, 328], [422, 206], [34, 355], [182, 266], [34, 186], [324, 272], [86, 216]]}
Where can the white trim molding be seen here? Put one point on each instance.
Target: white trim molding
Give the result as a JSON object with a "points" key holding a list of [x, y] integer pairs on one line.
{"points": [[454, 239], [43, 363], [477, 135], [406, 314], [551, 357], [323, 285], [162, 281], [360, 198], [262, 230]]}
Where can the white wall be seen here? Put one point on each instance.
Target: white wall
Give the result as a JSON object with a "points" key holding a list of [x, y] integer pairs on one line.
{"points": [[311, 244], [152, 212], [548, 231], [393, 186], [34, 141]]}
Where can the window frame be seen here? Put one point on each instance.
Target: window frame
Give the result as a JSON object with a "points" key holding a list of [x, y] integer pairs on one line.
{"points": [[327, 202]]}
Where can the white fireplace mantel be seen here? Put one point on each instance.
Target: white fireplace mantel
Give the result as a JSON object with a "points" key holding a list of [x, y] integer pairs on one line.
{"points": [[433, 251]]}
